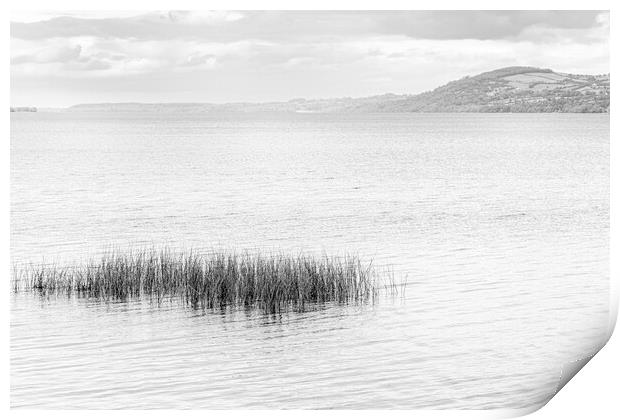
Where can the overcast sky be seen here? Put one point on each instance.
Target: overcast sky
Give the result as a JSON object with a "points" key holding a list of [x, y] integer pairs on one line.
{"points": [[60, 59]]}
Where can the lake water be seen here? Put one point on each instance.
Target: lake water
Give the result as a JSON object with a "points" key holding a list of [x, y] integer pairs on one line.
{"points": [[499, 223]]}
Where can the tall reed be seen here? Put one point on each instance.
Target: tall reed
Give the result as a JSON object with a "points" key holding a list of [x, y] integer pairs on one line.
{"points": [[272, 283]]}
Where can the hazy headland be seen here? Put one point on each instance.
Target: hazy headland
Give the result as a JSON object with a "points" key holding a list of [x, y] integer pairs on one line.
{"points": [[510, 89]]}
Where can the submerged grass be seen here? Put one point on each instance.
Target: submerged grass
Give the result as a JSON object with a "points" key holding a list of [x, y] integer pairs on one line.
{"points": [[272, 283]]}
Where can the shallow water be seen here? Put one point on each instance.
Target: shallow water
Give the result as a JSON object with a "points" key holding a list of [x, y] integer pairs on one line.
{"points": [[499, 223]]}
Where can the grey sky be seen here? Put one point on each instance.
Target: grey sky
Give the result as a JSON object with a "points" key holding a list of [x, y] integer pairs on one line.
{"points": [[262, 56]]}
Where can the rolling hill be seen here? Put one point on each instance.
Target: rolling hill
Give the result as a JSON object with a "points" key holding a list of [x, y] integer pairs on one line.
{"points": [[510, 89]]}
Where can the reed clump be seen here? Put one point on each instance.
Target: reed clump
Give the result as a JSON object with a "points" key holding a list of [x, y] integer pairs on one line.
{"points": [[272, 283]]}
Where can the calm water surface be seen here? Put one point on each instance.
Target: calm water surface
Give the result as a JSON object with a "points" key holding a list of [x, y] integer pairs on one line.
{"points": [[499, 223]]}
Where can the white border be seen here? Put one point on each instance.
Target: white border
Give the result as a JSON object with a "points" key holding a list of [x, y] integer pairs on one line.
{"points": [[592, 393], [311, 5]]}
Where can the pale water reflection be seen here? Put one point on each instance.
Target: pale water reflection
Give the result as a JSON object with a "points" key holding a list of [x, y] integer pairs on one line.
{"points": [[499, 222]]}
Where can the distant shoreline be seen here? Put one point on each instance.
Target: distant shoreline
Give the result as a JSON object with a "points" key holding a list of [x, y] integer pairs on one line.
{"points": [[164, 111], [507, 90], [23, 109]]}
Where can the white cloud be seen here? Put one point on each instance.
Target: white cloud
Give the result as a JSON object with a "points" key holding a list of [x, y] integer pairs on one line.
{"points": [[209, 17], [37, 16]]}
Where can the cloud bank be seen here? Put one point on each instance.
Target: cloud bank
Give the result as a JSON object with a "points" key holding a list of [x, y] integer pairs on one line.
{"points": [[219, 56]]}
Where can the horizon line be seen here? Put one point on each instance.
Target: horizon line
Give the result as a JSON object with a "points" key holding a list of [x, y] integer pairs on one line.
{"points": [[299, 98]]}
